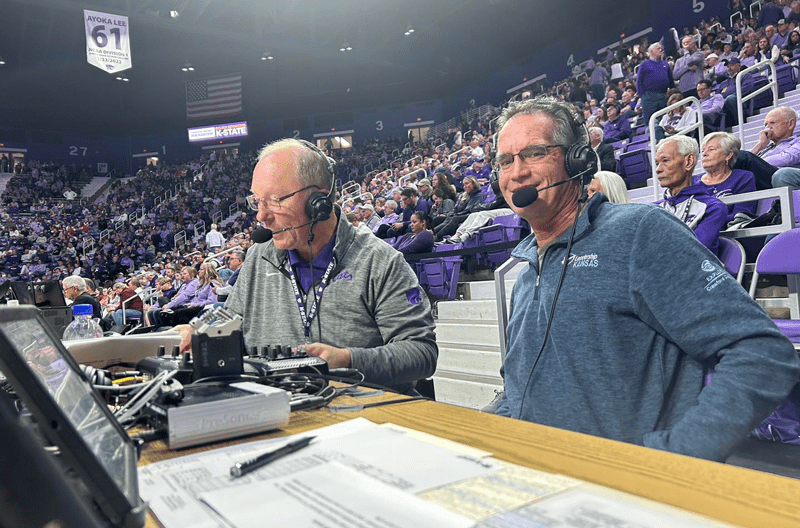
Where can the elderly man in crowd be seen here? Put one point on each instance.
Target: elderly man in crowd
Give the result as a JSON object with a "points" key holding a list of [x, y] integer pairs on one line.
{"points": [[688, 68], [693, 204], [778, 146]]}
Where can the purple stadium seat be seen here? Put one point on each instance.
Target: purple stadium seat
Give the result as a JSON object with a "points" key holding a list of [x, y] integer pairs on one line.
{"points": [[732, 256], [781, 256], [634, 166], [503, 229]]}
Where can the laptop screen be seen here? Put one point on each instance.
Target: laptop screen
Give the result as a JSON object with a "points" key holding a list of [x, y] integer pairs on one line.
{"points": [[43, 374]]}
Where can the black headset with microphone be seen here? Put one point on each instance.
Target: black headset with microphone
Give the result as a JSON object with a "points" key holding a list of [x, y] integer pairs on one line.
{"points": [[580, 162]]}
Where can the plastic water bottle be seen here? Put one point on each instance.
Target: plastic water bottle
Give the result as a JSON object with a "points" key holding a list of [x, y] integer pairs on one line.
{"points": [[82, 326]]}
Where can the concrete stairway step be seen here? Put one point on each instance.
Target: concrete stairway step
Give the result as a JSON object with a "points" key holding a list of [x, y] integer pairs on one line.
{"points": [[478, 362], [470, 334], [462, 391], [484, 310]]}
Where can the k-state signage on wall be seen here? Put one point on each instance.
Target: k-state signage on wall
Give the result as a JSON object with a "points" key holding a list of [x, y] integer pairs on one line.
{"points": [[208, 133]]}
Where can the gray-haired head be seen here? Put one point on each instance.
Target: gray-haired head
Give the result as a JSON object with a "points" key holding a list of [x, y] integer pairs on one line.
{"points": [[74, 281], [613, 187], [310, 167], [565, 129], [684, 144], [729, 144]]}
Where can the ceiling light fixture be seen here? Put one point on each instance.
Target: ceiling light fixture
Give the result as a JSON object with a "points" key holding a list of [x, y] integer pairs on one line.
{"points": [[409, 30], [187, 67], [346, 47], [267, 56], [122, 78], [2, 61], [174, 14]]}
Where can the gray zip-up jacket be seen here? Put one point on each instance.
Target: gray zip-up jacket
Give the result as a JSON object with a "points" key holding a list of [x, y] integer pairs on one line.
{"points": [[643, 308], [372, 306]]}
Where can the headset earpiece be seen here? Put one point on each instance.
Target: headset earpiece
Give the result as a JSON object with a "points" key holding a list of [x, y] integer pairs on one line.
{"points": [[580, 158], [319, 205]]}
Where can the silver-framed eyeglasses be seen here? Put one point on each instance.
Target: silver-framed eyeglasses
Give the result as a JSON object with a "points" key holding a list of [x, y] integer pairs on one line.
{"points": [[273, 203], [529, 155]]}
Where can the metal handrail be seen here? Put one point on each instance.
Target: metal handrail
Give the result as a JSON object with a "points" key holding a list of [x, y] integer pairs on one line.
{"points": [[694, 106], [122, 307], [199, 225], [407, 177], [412, 158], [347, 186], [180, 235], [756, 2], [233, 208], [738, 13], [457, 153], [773, 84], [223, 252]]}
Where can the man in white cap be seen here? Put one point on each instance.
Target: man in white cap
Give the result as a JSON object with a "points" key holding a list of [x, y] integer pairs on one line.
{"points": [[368, 216]]}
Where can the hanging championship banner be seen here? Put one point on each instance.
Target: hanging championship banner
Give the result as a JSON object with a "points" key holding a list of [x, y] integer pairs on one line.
{"points": [[107, 44]]}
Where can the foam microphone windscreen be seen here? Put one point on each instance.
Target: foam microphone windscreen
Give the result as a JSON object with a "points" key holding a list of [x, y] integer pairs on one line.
{"points": [[261, 235], [525, 197]]}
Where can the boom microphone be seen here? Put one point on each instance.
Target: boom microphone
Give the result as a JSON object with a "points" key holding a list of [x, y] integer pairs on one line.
{"points": [[526, 196], [262, 234]]}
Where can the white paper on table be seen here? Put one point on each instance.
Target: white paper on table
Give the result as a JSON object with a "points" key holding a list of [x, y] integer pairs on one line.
{"points": [[402, 461], [437, 440], [599, 507], [328, 496], [171, 486]]}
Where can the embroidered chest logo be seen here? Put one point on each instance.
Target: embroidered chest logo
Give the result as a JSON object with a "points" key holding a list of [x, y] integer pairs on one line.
{"points": [[716, 275], [345, 275], [583, 261]]}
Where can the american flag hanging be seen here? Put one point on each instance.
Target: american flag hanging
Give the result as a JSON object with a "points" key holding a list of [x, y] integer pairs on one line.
{"points": [[214, 96]]}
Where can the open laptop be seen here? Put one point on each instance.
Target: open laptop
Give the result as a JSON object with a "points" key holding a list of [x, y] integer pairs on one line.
{"points": [[96, 454]]}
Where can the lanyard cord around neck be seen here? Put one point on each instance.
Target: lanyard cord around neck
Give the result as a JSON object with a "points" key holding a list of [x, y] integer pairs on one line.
{"points": [[308, 319]]}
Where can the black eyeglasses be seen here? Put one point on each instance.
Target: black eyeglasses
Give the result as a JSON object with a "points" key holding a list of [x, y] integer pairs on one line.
{"points": [[273, 203], [529, 155]]}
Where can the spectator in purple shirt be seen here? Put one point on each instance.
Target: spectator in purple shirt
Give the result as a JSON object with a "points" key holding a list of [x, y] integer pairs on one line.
{"points": [[694, 205], [204, 295], [618, 127], [720, 151], [711, 103], [420, 239], [778, 146], [389, 217], [653, 81]]}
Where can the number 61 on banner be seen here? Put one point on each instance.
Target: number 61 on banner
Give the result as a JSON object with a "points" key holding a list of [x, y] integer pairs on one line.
{"points": [[108, 44]]}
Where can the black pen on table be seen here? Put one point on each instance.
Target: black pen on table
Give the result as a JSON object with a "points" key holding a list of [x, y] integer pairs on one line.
{"points": [[243, 468]]}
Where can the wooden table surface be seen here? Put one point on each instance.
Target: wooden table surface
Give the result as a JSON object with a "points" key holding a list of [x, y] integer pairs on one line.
{"points": [[728, 493]]}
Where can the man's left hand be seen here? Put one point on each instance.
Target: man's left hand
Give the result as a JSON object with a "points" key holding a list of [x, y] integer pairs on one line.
{"points": [[336, 357]]}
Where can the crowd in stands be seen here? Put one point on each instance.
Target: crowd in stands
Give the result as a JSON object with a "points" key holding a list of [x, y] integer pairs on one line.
{"points": [[416, 194]]}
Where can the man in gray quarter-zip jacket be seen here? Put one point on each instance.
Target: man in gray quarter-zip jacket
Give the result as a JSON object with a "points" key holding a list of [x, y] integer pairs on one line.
{"points": [[643, 308], [372, 314]]}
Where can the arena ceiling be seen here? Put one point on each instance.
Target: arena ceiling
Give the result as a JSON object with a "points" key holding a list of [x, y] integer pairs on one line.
{"points": [[46, 81]]}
